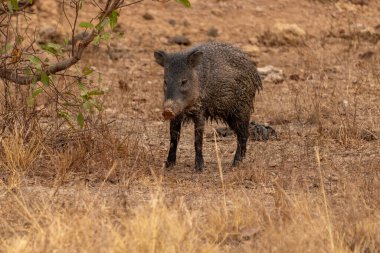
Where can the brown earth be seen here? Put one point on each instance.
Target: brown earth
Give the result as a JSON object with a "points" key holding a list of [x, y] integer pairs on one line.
{"points": [[327, 107]]}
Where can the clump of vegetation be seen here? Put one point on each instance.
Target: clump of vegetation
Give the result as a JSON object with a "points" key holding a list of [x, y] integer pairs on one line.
{"points": [[97, 183]]}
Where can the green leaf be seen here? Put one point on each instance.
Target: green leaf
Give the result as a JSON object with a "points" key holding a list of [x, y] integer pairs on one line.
{"points": [[19, 39], [95, 93], [30, 101], [87, 105], [66, 117], [81, 85], [55, 46], [185, 3], [27, 71], [105, 36], [14, 5], [86, 25], [113, 19], [87, 71], [34, 79], [80, 119], [104, 23], [6, 48], [36, 61], [45, 79], [36, 92], [52, 48], [119, 34], [97, 106], [97, 40], [10, 7]]}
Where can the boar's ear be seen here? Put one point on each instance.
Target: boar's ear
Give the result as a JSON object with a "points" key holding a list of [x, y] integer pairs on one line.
{"points": [[195, 58], [160, 57]]}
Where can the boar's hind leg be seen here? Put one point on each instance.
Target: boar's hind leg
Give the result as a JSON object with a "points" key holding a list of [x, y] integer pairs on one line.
{"points": [[175, 132], [241, 129], [199, 124]]}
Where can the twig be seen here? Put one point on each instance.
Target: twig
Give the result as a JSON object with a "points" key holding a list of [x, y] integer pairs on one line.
{"points": [[20, 79], [329, 225], [221, 175]]}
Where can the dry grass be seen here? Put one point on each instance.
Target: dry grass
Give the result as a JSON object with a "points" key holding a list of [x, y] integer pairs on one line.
{"points": [[18, 157], [144, 214], [103, 188], [86, 221]]}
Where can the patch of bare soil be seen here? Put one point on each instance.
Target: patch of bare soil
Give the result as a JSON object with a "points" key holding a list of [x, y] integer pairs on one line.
{"points": [[325, 108]]}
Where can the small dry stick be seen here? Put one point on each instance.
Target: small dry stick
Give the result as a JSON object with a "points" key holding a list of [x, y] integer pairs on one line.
{"points": [[317, 156], [220, 174]]}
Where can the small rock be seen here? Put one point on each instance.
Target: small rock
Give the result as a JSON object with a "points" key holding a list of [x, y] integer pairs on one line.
{"points": [[172, 22], [116, 51], [224, 131], [118, 28], [341, 6], [367, 135], [217, 13], [257, 132], [335, 69], [294, 77], [110, 111], [360, 31], [377, 28], [271, 74], [179, 40], [259, 9], [213, 32], [186, 23], [273, 163], [345, 103], [283, 34], [369, 34], [148, 16], [123, 85], [275, 78], [249, 233], [366, 55], [163, 40], [253, 41], [360, 2], [49, 34], [261, 132], [251, 49]]}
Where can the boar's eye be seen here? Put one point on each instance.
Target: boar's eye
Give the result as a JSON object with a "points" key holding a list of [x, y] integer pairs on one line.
{"points": [[184, 82]]}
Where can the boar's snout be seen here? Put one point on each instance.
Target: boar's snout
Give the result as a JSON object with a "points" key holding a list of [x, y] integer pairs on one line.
{"points": [[168, 114], [171, 109]]}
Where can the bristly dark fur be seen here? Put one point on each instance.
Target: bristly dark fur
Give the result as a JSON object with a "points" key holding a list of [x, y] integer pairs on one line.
{"points": [[225, 81], [228, 79]]}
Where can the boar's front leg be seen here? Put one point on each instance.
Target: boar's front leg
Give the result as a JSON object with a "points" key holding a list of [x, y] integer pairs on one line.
{"points": [[199, 125], [175, 132]]}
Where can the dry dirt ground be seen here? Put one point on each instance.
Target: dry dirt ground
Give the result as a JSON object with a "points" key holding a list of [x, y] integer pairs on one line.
{"points": [[314, 189]]}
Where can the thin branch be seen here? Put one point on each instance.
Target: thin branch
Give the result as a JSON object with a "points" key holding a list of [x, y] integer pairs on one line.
{"points": [[21, 6], [77, 6], [64, 13], [129, 4], [15, 77]]}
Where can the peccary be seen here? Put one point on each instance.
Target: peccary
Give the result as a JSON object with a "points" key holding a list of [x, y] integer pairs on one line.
{"points": [[214, 81]]}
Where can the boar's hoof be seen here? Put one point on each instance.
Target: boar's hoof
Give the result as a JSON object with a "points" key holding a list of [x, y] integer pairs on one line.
{"points": [[199, 166], [236, 163], [169, 164]]}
